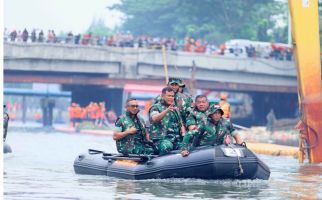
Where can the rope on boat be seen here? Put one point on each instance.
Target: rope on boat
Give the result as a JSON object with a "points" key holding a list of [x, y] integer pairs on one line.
{"points": [[241, 170]]}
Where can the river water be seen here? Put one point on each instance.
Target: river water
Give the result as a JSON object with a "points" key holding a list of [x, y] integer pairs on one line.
{"points": [[41, 167]]}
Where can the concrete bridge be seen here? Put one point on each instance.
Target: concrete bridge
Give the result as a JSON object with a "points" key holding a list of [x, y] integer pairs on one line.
{"points": [[101, 70], [71, 64]]}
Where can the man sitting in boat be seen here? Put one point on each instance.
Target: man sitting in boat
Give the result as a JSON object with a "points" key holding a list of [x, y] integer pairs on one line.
{"points": [[215, 131], [195, 118], [130, 131], [166, 129]]}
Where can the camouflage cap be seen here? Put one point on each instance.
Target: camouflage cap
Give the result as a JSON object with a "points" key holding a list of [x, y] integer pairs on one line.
{"points": [[181, 84], [214, 108], [174, 80]]}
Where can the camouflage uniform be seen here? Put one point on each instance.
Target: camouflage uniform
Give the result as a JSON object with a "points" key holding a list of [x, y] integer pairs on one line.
{"points": [[181, 102], [198, 118], [132, 143], [209, 133], [165, 133]]}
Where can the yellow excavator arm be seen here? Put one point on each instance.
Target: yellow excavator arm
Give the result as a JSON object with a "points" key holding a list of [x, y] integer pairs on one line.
{"points": [[306, 41]]}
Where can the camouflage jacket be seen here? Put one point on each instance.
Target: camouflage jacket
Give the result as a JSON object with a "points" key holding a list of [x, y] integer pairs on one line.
{"points": [[182, 101], [196, 117], [125, 122], [188, 99], [169, 126], [211, 133]]}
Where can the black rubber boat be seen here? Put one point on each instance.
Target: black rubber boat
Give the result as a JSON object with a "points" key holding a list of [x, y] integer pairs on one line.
{"points": [[211, 162], [6, 147]]}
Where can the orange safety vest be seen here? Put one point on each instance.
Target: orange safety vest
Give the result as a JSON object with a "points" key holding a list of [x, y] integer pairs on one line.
{"points": [[225, 106]]}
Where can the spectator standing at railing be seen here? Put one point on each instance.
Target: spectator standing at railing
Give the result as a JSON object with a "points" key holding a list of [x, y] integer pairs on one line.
{"points": [[140, 42], [19, 36], [33, 36], [54, 36], [13, 36], [50, 36], [69, 38], [180, 44], [25, 35], [5, 35], [41, 36], [289, 54], [222, 48], [77, 38], [174, 45]]}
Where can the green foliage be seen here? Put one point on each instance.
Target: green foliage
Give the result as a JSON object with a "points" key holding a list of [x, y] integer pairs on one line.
{"points": [[217, 20], [98, 27]]}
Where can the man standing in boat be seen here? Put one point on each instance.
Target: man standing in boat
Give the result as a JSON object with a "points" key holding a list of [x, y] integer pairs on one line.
{"points": [[166, 129], [217, 130], [130, 131]]}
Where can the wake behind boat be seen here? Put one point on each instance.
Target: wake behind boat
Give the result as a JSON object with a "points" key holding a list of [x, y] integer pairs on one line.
{"points": [[208, 162]]}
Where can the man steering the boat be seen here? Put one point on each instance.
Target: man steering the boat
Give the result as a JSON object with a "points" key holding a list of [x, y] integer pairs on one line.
{"points": [[215, 131], [130, 131], [166, 126]]}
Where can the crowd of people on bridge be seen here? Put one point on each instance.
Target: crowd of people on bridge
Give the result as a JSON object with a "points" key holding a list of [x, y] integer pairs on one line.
{"points": [[187, 44], [176, 122]]}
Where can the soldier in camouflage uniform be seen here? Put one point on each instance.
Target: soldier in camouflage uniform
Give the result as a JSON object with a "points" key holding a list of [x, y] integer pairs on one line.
{"points": [[166, 129], [130, 131], [195, 119], [181, 101], [186, 96], [216, 131]]}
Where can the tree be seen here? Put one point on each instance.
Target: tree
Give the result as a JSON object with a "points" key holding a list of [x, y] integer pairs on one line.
{"points": [[98, 27], [218, 20]]}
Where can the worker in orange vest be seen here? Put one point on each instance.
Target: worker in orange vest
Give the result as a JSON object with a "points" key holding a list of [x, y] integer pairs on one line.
{"points": [[71, 109], [224, 105], [78, 116]]}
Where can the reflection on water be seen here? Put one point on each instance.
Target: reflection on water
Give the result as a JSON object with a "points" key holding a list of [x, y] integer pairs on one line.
{"points": [[41, 168], [310, 177], [189, 189]]}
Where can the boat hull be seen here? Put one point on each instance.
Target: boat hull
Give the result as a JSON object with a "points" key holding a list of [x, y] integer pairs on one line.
{"points": [[6, 148], [202, 163]]}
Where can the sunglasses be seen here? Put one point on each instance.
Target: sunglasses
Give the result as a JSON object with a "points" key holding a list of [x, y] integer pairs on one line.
{"points": [[133, 106]]}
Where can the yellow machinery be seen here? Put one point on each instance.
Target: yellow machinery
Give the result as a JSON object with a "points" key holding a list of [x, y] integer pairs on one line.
{"points": [[306, 41]]}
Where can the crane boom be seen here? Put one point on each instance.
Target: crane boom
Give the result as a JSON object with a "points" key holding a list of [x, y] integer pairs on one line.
{"points": [[306, 41]]}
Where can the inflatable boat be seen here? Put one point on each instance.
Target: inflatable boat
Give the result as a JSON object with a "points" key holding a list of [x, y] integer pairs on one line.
{"points": [[208, 162], [6, 148]]}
